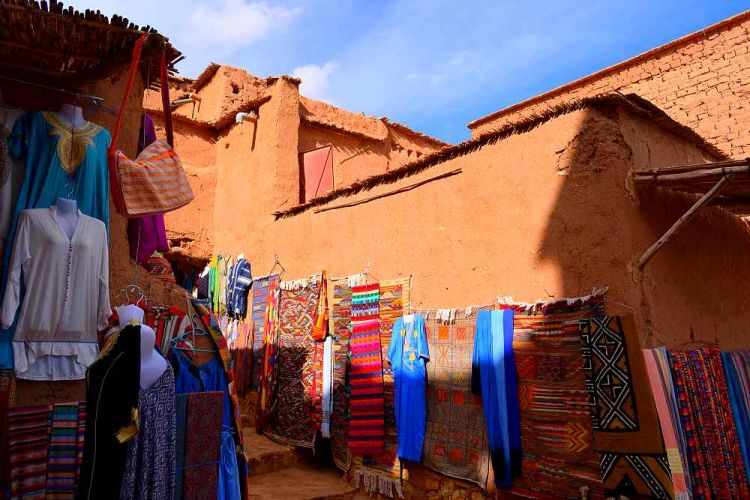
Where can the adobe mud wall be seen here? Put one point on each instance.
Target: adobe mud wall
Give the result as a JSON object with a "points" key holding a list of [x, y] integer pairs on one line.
{"points": [[549, 213], [702, 81]]}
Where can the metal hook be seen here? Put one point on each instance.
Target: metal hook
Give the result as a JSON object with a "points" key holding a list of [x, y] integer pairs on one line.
{"points": [[276, 263]]}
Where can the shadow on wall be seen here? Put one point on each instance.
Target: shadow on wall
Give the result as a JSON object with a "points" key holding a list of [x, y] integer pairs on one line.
{"points": [[697, 287]]}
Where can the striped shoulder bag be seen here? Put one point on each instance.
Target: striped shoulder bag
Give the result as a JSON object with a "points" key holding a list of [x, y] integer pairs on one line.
{"points": [[155, 182]]}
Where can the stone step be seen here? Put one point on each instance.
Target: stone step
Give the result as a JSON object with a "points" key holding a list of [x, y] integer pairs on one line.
{"points": [[266, 456], [302, 481]]}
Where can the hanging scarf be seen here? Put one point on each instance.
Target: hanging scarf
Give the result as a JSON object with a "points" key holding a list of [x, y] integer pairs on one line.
{"points": [[320, 328]]}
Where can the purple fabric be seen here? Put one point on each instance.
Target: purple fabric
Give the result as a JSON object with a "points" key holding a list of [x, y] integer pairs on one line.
{"points": [[148, 133], [147, 235]]}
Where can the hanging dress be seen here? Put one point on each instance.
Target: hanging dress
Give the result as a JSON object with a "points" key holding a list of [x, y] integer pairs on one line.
{"points": [[112, 385], [211, 377], [408, 355], [59, 162], [150, 463]]}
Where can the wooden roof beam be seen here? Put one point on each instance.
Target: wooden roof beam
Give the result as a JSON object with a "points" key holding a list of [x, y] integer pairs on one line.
{"points": [[705, 199]]}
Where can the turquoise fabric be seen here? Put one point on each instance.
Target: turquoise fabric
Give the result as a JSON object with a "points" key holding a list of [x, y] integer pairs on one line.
{"points": [[38, 140], [408, 355]]}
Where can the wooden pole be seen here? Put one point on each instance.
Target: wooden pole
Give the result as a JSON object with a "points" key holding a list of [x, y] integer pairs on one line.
{"points": [[682, 220], [391, 193], [693, 167], [695, 174]]}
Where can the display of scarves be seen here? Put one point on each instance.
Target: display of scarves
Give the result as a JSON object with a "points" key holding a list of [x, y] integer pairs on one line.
{"points": [[625, 422], [456, 438], [737, 373], [7, 400], [366, 425], [261, 292], [267, 379], [556, 434], [714, 455], [662, 387], [384, 467], [340, 325], [293, 421]]}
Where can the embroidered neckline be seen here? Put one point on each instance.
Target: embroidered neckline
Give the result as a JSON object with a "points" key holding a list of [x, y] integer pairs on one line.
{"points": [[72, 141]]}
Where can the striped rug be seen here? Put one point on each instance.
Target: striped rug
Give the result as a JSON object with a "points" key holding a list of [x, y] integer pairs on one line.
{"points": [[367, 424], [28, 444], [63, 451]]}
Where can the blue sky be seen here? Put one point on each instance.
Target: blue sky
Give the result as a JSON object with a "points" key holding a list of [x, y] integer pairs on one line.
{"points": [[433, 65]]}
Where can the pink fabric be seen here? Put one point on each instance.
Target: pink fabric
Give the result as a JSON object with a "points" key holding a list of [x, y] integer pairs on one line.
{"points": [[147, 235]]}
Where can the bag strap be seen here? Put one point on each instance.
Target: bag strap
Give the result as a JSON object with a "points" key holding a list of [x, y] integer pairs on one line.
{"points": [[164, 77], [137, 49]]}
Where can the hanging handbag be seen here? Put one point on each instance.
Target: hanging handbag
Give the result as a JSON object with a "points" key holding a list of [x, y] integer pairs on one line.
{"points": [[155, 182]]}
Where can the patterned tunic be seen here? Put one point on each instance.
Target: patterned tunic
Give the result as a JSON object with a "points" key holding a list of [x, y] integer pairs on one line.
{"points": [[150, 462]]}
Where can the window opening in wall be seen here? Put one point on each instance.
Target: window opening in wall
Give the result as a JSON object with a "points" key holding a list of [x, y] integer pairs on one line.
{"points": [[316, 173]]}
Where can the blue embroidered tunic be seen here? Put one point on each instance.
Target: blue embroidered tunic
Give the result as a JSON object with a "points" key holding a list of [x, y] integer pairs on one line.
{"points": [[408, 355]]}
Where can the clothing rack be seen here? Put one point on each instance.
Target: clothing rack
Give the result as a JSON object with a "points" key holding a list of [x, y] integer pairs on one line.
{"points": [[90, 101]]}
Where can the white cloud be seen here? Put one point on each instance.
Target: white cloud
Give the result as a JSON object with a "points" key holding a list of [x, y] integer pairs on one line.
{"points": [[316, 80], [236, 23]]}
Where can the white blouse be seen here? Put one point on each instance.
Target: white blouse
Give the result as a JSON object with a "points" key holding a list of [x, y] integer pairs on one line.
{"points": [[66, 299]]}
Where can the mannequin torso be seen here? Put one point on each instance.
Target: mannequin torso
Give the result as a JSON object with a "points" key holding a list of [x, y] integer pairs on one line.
{"points": [[72, 115], [66, 213], [153, 364]]}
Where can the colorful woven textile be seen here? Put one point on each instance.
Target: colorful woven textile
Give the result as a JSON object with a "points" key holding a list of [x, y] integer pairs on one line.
{"points": [[737, 372], [292, 421], [366, 426], [625, 422], [7, 400], [456, 439], [556, 435], [202, 445], [267, 379], [714, 455], [392, 304], [28, 445], [63, 451], [340, 325], [660, 379], [260, 297], [161, 268]]}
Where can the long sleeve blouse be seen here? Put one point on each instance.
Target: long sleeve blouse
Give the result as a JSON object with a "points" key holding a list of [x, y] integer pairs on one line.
{"points": [[66, 296]]}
